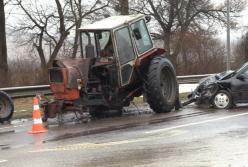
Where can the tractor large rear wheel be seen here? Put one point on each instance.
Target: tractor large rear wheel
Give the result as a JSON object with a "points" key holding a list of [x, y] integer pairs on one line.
{"points": [[161, 86], [6, 107]]}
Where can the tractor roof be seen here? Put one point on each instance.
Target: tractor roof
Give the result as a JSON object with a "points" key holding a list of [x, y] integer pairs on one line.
{"points": [[110, 22]]}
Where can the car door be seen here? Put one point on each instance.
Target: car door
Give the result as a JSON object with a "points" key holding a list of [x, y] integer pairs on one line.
{"points": [[239, 87], [126, 54]]}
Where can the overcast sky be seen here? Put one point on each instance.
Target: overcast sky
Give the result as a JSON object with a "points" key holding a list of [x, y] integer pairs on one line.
{"points": [[242, 26], [235, 34]]}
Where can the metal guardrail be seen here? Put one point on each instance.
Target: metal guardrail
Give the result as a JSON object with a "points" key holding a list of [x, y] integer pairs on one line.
{"points": [[29, 91], [190, 79]]}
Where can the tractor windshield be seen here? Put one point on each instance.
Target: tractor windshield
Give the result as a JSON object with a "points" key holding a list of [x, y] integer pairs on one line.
{"points": [[104, 39], [97, 44]]}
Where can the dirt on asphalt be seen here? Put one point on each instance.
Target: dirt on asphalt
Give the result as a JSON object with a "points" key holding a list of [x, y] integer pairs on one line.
{"points": [[24, 106]]}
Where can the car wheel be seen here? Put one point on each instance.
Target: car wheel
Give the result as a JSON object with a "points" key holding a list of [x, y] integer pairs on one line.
{"points": [[222, 100]]}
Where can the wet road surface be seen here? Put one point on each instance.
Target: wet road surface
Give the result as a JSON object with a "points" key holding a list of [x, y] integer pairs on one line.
{"points": [[192, 137]]}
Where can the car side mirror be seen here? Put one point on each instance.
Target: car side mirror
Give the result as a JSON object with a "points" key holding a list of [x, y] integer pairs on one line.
{"points": [[137, 33], [241, 77]]}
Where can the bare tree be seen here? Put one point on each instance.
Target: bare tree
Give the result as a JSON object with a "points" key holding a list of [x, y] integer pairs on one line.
{"points": [[3, 45], [241, 51], [201, 53], [80, 12], [53, 25], [42, 26], [182, 16], [123, 7]]}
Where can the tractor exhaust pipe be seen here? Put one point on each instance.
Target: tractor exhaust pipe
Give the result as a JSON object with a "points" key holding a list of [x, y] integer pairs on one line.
{"points": [[89, 49]]}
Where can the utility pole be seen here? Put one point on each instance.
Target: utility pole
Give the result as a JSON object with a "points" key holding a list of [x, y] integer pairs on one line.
{"points": [[3, 47], [228, 37]]}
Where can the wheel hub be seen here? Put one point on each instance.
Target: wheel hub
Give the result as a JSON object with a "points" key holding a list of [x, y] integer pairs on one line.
{"points": [[167, 84], [221, 100]]}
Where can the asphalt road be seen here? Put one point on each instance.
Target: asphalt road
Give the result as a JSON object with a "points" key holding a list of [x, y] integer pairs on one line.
{"points": [[192, 137]]}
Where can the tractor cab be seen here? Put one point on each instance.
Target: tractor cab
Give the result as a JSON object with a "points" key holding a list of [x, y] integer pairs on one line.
{"points": [[117, 40]]}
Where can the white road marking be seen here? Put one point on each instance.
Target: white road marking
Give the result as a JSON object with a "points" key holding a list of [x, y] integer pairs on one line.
{"points": [[195, 123], [2, 161]]}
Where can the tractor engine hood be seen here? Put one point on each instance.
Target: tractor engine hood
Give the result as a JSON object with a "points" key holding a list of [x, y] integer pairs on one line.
{"points": [[75, 69]]}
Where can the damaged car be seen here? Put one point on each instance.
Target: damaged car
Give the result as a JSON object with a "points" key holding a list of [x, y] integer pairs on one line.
{"points": [[223, 90]]}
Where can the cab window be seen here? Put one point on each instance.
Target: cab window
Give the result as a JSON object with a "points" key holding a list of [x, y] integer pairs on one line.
{"points": [[141, 36], [124, 45], [106, 46], [104, 39]]}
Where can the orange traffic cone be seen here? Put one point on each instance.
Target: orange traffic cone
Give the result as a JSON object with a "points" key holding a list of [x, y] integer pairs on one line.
{"points": [[37, 126]]}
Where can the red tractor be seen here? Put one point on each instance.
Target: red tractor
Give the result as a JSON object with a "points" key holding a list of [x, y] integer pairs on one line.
{"points": [[118, 62]]}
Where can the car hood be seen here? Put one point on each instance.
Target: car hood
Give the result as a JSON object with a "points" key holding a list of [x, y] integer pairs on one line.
{"points": [[224, 75], [217, 77]]}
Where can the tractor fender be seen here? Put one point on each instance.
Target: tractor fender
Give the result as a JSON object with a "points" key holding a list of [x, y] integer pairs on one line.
{"points": [[147, 56]]}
